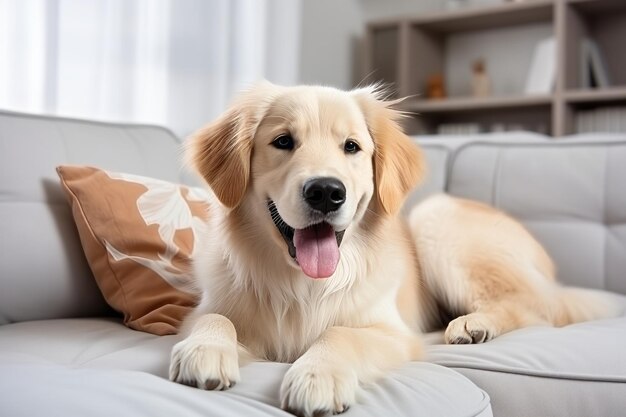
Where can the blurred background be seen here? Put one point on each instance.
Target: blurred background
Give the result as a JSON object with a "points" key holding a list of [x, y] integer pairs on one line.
{"points": [[549, 66]]}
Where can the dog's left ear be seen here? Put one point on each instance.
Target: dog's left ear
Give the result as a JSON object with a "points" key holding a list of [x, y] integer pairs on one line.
{"points": [[398, 163], [220, 152]]}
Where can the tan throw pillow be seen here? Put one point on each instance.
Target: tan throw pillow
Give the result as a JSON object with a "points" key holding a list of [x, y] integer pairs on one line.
{"points": [[139, 236]]}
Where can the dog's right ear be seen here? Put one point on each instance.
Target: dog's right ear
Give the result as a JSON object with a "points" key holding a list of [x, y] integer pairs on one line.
{"points": [[398, 162], [220, 152]]}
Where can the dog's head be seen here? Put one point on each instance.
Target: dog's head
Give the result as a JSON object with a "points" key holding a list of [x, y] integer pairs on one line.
{"points": [[310, 161]]}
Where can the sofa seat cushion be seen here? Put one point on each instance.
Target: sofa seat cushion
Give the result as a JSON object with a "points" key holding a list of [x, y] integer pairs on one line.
{"points": [[98, 367], [577, 370]]}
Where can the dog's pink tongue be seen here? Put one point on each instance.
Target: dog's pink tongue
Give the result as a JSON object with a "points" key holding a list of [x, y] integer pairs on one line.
{"points": [[316, 250]]}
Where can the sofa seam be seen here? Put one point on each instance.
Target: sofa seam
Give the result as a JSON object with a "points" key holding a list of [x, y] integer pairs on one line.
{"points": [[605, 219], [447, 156], [523, 372], [456, 153], [495, 186], [485, 402], [549, 144], [9, 113]]}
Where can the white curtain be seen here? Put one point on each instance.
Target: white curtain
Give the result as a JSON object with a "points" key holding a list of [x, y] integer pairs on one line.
{"points": [[172, 62]]}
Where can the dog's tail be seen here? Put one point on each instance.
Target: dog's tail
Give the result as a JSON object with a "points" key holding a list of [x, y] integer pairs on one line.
{"points": [[582, 304]]}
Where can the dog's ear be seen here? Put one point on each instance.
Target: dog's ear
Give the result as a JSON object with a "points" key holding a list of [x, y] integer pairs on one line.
{"points": [[220, 152], [398, 162]]}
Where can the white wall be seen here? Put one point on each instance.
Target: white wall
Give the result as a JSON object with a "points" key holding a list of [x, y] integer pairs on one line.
{"points": [[333, 32], [378, 9], [330, 29]]}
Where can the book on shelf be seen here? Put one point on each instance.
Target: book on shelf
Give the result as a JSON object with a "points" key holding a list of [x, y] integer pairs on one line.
{"points": [[593, 66], [542, 73], [603, 119], [458, 128], [464, 129]]}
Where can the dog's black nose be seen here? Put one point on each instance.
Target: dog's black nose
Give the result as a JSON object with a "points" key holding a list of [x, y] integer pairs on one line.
{"points": [[324, 194]]}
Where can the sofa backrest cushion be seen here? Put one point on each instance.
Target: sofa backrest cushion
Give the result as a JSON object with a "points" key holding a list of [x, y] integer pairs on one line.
{"points": [[570, 194], [438, 151], [437, 157], [43, 272]]}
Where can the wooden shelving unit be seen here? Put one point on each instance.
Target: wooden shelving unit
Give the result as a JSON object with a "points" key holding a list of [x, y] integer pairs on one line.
{"points": [[501, 15], [464, 104], [596, 95], [407, 50]]}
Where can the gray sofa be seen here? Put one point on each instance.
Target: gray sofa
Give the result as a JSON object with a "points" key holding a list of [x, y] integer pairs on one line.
{"points": [[63, 352]]}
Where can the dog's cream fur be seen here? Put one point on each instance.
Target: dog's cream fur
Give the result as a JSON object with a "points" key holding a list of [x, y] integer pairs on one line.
{"points": [[392, 280]]}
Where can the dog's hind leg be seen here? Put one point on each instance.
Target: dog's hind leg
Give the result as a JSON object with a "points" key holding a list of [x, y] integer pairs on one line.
{"points": [[493, 318]]}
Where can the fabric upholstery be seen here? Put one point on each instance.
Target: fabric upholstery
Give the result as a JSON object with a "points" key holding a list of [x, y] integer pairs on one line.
{"points": [[569, 194], [138, 234], [577, 370], [438, 151], [43, 272], [437, 157], [97, 367]]}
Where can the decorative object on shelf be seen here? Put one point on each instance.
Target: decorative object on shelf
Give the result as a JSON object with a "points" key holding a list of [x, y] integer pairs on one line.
{"points": [[436, 87], [592, 66], [542, 72], [481, 84]]}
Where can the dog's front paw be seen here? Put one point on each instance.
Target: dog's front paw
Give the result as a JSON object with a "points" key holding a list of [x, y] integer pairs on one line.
{"points": [[471, 328], [314, 389], [212, 366]]}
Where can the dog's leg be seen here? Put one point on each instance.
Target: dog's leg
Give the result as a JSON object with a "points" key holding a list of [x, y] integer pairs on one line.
{"points": [[494, 318], [327, 376], [208, 357]]}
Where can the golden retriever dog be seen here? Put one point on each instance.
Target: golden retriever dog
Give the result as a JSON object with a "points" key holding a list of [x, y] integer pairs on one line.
{"points": [[306, 259]]}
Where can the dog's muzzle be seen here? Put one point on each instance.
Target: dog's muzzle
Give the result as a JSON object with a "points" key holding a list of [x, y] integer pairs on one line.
{"points": [[315, 248]]}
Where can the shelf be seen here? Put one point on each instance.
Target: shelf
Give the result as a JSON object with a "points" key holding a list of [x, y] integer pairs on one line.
{"points": [[506, 14], [595, 96], [469, 104], [598, 6]]}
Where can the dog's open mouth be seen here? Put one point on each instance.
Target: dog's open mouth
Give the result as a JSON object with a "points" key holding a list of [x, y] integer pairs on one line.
{"points": [[316, 248]]}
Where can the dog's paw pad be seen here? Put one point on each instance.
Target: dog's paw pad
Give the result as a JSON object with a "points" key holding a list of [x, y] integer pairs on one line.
{"points": [[314, 391], [478, 335], [472, 328], [205, 366], [460, 340]]}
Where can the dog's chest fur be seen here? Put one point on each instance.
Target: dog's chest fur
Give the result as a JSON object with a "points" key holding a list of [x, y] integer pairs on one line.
{"points": [[277, 311]]}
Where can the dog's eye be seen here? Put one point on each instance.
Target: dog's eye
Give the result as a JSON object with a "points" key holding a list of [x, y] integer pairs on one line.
{"points": [[283, 142], [351, 146]]}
